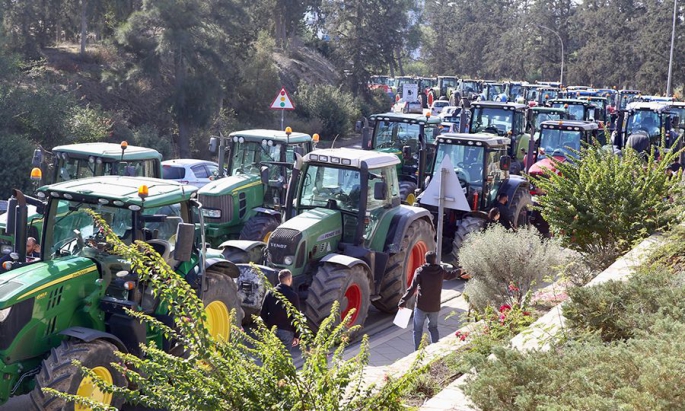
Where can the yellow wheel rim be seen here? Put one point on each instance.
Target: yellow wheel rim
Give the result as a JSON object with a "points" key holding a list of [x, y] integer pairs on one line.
{"points": [[218, 320], [267, 236], [410, 199], [88, 389]]}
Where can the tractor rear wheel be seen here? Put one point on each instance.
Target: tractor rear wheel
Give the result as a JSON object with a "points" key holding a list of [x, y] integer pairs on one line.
{"points": [[519, 205], [58, 372], [419, 238], [333, 282], [219, 299], [259, 227], [407, 190], [466, 226]]}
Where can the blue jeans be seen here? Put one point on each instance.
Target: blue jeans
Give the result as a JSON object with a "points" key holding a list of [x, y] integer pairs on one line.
{"points": [[286, 337], [419, 321]]}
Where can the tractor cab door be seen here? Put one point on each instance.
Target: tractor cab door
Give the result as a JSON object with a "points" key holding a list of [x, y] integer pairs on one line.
{"points": [[494, 176], [376, 207]]}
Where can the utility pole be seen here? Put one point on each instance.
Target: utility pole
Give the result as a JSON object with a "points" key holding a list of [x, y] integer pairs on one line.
{"points": [[561, 76], [670, 60]]}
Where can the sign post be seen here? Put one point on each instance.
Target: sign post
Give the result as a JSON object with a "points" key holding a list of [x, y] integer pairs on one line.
{"points": [[282, 102]]}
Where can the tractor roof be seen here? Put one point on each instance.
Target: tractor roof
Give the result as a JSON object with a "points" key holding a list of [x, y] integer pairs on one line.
{"points": [[107, 151], [464, 139], [576, 125], [406, 118], [495, 104], [352, 158], [544, 109], [123, 189], [276, 135], [629, 91], [569, 101], [656, 106]]}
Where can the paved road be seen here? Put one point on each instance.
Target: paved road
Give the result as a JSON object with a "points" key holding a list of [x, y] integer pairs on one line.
{"points": [[387, 342]]}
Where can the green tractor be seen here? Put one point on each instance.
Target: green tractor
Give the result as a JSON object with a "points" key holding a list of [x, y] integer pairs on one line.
{"points": [[69, 304], [445, 87], [577, 109], [73, 161], [503, 120], [410, 137], [246, 200], [481, 163], [348, 238]]}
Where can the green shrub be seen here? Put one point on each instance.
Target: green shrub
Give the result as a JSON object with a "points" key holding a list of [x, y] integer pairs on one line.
{"points": [[88, 124], [378, 102], [16, 168], [601, 204], [504, 265], [336, 109]]}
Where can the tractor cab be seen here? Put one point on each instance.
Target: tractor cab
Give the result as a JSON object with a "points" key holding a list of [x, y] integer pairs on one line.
{"points": [[445, 87], [411, 138], [515, 91], [493, 92], [625, 97], [562, 140], [503, 120], [643, 124], [539, 96], [576, 109], [467, 88]]}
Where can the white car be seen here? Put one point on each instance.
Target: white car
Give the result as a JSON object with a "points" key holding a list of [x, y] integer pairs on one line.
{"points": [[438, 105], [189, 171]]}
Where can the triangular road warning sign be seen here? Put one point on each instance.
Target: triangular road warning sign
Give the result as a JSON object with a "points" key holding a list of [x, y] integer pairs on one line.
{"points": [[282, 101], [455, 198]]}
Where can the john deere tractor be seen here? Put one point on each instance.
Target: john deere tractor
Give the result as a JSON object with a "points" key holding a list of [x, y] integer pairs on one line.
{"points": [[348, 238], [246, 200], [410, 137], [69, 304], [482, 165]]}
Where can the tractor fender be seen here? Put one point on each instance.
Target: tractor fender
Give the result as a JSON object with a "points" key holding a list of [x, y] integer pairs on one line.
{"points": [[223, 267], [400, 223], [268, 211], [245, 245], [510, 185], [348, 261], [88, 334]]}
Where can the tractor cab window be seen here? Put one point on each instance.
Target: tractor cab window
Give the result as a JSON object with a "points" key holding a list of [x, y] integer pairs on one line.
{"points": [[520, 124], [390, 134], [559, 142], [470, 87], [539, 117], [467, 162], [76, 168], [489, 119], [248, 155], [327, 186], [494, 175], [644, 120]]}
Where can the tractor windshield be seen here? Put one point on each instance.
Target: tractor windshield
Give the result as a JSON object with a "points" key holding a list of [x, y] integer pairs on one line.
{"points": [[559, 142], [449, 83], [467, 161], [492, 119], [70, 229], [322, 184], [515, 91], [247, 156], [625, 99], [395, 134], [470, 87], [573, 111], [539, 117], [74, 168], [645, 120]]}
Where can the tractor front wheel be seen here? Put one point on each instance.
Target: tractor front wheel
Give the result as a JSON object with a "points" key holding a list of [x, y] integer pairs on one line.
{"points": [[58, 372], [466, 226], [407, 190], [519, 205], [259, 227], [419, 238], [219, 299], [347, 285]]}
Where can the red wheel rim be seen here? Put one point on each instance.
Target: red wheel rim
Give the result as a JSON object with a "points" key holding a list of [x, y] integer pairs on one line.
{"points": [[353, 295], [416, 257]]}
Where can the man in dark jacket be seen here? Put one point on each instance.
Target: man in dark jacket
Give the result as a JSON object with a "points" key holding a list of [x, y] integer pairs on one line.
{"points": [[505, 216], [274, 312], [428, 282]]}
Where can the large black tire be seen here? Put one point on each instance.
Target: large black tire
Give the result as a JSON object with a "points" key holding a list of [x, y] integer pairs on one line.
{"points": [[419, 238], [58, 372], [334, 282], [407, 190], [466, 226], [219, 299], [259, 227], [520, 204]]}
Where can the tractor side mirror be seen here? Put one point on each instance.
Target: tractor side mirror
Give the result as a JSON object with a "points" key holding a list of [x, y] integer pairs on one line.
{"points": [[406, 152], [213, 145], [504, 163], [366, 138], [264, 175], [379, 189], [298, 150], [358, 126], [37, 157], [185, 239]]}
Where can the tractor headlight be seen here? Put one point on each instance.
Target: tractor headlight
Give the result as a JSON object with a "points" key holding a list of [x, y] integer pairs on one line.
{"points": [[211, 213], [4, 313], [288, 260]]}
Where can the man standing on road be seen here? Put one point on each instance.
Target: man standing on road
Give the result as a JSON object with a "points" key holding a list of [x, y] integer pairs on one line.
{"points": [[274, 312], [505, 216], [428, 282]]}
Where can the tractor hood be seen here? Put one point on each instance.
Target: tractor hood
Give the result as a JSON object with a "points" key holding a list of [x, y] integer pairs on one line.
{"points": [[545, 165], [38, 279], [230, 184]]}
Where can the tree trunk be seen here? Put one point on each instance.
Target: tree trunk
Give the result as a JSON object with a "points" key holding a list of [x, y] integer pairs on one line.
{"points": [[180, 115], [399, 62], [84, 26]]}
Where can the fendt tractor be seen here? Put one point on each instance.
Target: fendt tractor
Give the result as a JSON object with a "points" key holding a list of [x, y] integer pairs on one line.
{"points": [[504, 120], [246, 202], [560, 141], [70, 303], [481, 163], [73, 161], [348, 238], [411, 137]]}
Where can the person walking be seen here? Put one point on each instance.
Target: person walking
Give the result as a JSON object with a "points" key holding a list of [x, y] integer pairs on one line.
{"points": [[427, 285], [505, 216], [275, 314]]}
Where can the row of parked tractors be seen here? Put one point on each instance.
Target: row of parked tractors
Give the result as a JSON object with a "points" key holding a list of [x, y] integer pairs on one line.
{"points": [[348, 223]]}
